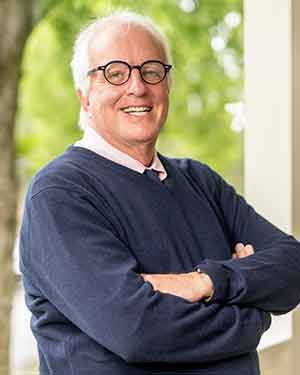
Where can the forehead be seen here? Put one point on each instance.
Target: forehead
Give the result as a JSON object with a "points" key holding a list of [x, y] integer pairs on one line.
{"points": [[131, 43]]}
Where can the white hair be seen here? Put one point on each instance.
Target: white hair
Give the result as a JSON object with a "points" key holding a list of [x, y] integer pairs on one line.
{"points": [[80, 61]]}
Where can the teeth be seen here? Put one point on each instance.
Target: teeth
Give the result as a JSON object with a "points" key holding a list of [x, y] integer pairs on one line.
{"points": [[136, 109]]}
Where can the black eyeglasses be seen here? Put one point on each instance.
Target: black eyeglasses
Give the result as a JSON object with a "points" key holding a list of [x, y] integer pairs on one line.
{"points": [[118, 72]]}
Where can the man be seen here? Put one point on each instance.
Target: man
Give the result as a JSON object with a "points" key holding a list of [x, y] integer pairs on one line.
{"points": [[135, 263]]}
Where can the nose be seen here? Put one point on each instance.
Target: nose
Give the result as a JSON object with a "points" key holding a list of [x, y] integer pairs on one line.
{"points": [[136, 86]]}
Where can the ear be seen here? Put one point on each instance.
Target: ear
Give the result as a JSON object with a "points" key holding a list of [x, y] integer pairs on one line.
{"points": [[84, 100]]}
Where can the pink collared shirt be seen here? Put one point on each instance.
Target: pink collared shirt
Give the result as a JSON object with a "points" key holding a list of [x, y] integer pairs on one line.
{"points": [[94, 142]]}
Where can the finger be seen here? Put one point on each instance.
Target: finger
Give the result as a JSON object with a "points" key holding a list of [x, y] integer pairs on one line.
{"points": [[249, 249], [245, 251], [239, 247], [234, 256]]}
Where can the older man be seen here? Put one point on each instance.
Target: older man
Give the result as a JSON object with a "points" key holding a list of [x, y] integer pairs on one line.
{"points": [[127, 255]]}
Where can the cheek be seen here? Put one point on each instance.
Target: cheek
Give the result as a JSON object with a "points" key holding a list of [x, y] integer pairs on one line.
{"points": [[161, 95], [102, 101], [163, 102]]}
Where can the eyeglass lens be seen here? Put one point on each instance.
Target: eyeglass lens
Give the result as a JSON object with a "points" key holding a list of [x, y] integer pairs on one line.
{"points": [[118, 72]]}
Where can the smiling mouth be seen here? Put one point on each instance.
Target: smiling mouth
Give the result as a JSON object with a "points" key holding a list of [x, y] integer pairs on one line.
{"points": [[137, 111]]}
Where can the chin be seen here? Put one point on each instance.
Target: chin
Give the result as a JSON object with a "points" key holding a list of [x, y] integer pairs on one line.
{"points": [[143, 136]]}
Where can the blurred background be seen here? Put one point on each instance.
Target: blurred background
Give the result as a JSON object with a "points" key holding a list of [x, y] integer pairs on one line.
{"points": [[39, 117]]}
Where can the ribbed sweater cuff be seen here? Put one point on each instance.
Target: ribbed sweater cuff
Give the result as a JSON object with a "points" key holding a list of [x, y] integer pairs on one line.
{"points": [[220, 277]]}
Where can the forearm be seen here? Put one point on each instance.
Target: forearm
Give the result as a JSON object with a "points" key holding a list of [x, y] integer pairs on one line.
{"points": [[140, 325], [268, 280], [197, 334], [99, 290]]}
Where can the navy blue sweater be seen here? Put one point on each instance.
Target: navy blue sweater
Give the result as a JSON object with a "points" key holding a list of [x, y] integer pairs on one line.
{"points": [[91, 226]]}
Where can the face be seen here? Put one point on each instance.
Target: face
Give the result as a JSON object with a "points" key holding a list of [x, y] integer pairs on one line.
{"points": [[109, 107]]}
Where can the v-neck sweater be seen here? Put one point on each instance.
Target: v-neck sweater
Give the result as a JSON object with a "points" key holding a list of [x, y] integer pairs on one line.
{"points": [[92, 226]]}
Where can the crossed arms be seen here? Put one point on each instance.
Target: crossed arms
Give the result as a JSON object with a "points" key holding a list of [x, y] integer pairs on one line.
{"points": [[94, 281], [192, 286]]}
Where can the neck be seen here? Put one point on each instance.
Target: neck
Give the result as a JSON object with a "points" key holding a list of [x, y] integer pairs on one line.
{"points": [[141, 151], [144, 153]]}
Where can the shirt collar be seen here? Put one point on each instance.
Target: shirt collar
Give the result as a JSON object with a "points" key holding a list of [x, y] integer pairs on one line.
{"points": [[94, 142]]}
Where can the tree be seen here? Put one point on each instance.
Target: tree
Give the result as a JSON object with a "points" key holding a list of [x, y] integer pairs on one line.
{"points": [[16, 20]]}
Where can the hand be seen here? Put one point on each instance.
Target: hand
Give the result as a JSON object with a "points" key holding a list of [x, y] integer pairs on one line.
{"points": [[242, 251], [191, 286]]}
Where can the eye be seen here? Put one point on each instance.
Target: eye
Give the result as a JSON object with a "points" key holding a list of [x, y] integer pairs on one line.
{"points": [[116, 72], [151, 73]]}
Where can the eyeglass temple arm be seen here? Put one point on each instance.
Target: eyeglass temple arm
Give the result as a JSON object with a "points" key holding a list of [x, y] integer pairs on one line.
{"points": [[95, 70]]}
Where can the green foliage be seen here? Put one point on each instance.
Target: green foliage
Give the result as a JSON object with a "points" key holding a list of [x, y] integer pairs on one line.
{"points": [[198, 125]]}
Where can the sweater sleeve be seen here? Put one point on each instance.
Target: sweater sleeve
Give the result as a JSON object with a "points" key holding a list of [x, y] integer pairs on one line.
{"points": [[72, 252], [268, 279]]}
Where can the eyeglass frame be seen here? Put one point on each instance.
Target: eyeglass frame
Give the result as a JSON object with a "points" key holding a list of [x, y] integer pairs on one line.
{"points": [[102, 68]]}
